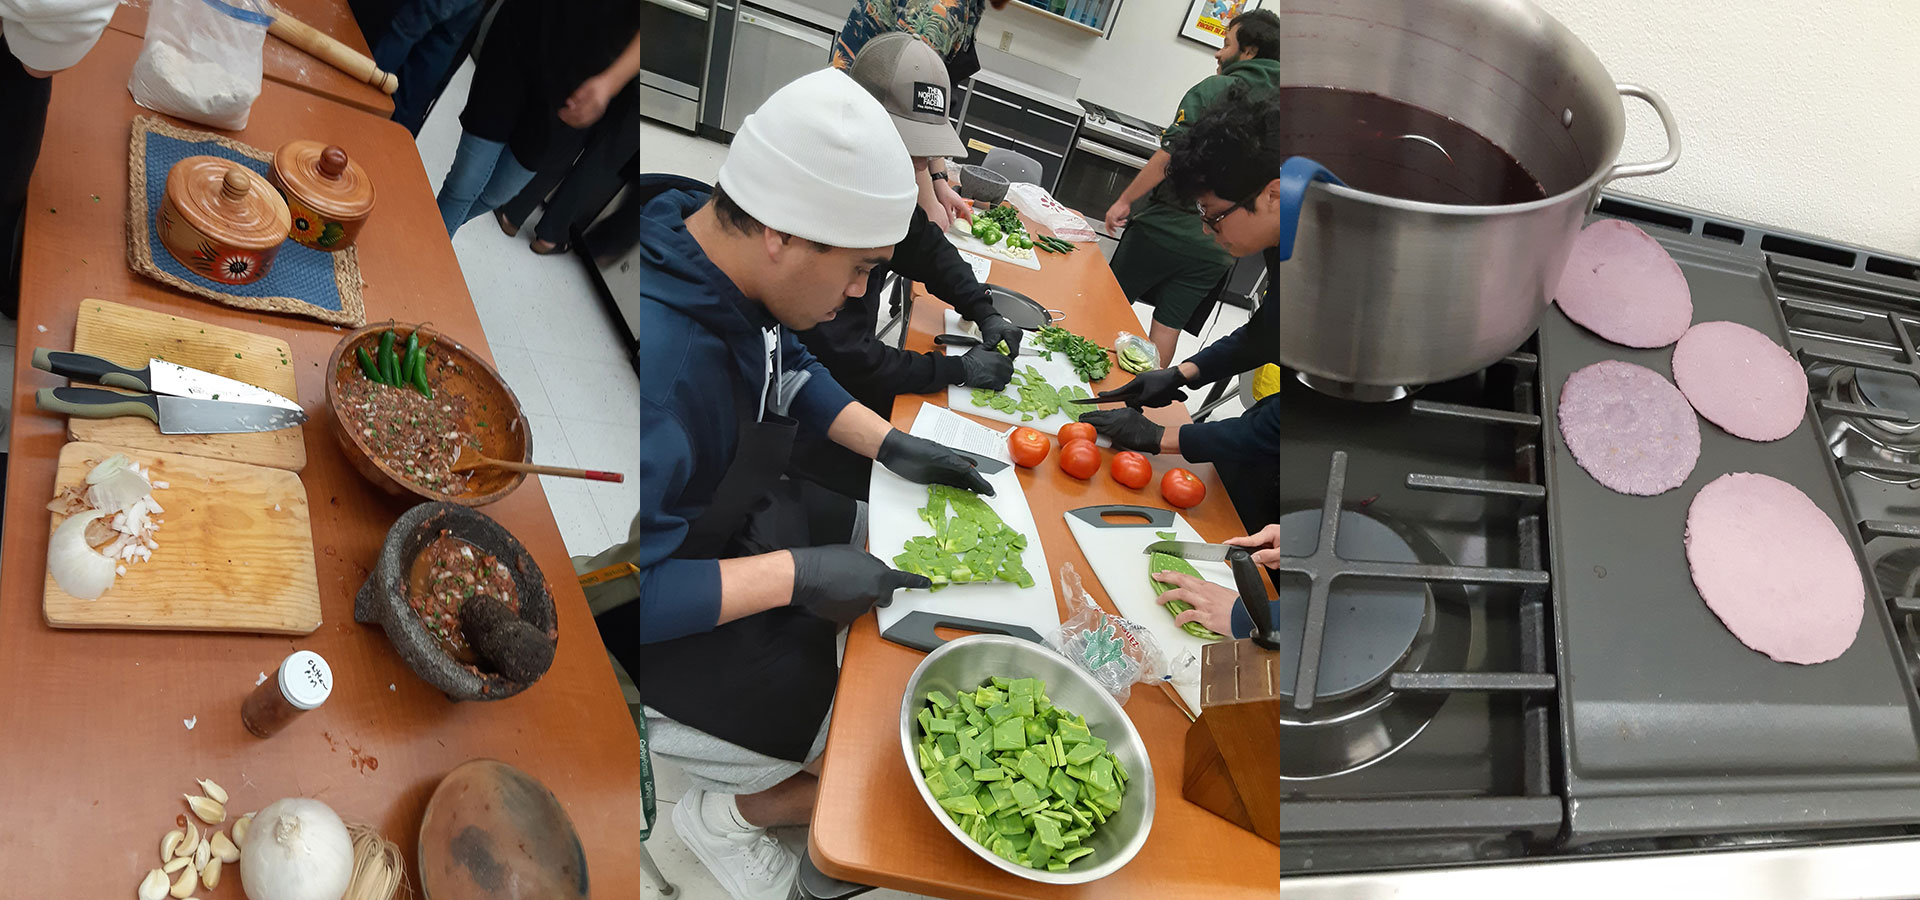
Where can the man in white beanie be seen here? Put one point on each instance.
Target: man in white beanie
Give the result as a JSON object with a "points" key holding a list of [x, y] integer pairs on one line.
{"points": [[745, 578]]}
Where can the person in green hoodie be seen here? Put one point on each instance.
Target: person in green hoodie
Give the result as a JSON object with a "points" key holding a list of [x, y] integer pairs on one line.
{"points": [[1165, 259]]}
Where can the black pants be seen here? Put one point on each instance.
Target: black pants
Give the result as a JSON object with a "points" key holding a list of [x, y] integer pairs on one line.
{"points": [[23, 121], [1254, 488], [583, 173]]}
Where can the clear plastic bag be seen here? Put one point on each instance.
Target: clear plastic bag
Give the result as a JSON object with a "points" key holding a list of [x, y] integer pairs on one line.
{"points": [[1115, 651], [1128, 341], [1035, 203], [201, 60]]}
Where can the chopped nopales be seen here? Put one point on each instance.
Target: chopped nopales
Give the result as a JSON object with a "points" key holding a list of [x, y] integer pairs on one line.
{"points": [[1629, 428], [1620, 284], [1740, 380], [969, 543]]}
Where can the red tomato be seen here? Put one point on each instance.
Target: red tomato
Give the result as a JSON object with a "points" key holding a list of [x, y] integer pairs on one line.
{"points": [[1028, 447], [1182, 488], [1079, 458], [1075, 431], [1131, 469]]}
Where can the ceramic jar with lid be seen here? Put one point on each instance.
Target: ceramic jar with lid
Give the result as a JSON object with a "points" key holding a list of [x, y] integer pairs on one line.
{"points": [[221, 220], [329, 195]]}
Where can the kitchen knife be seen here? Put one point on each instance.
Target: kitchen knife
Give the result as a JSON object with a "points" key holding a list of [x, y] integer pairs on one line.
{"points": [[1246, 579], [174, 415], [962, 340], [159, 377]]}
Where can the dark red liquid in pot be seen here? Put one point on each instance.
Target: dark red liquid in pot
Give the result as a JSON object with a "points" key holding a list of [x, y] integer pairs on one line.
{"points": [[1383, 146]]}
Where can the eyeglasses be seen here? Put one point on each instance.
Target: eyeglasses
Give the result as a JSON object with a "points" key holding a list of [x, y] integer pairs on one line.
{"points": [[1213, 221]]}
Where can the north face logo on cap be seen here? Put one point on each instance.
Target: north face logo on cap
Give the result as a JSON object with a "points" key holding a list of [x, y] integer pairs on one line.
{"points": [[929, 98]]}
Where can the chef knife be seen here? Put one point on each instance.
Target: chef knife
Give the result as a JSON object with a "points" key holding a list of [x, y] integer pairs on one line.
{"points": [[160, 377], [174, 415], [1246, 579], [965, 340]]}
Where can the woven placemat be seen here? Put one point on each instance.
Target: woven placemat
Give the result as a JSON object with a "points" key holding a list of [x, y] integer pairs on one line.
{"points": [[302, 282]]}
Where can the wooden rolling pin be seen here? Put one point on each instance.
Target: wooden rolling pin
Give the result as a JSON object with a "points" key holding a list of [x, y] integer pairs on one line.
{"points": [[330, 51]]}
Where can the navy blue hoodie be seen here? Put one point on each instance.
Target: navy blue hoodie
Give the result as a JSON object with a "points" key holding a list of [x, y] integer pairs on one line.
{"points": [[699, 339]]}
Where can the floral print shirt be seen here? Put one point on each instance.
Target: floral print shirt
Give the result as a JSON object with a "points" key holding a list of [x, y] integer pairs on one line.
{"points": [[946, 25]]}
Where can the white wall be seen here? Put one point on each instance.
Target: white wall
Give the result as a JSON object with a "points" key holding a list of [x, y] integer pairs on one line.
{"points": [[1794, 113], [1143, 69]]}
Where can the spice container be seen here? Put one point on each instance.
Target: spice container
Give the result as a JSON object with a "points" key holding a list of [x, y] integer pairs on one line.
{"points": [[221, 220], [303, 682], [329, 195]]}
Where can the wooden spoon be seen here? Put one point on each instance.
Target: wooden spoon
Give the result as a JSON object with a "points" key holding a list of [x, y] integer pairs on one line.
{"points": [[471, 459]]}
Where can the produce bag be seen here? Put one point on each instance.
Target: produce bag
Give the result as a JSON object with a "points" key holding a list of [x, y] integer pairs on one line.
{"points": [[1115, 651], [1135, 353], [1035, 203], [201, 60]]}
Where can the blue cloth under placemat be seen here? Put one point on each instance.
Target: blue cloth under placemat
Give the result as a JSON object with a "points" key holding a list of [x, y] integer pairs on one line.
{"points": [[302, 280]]}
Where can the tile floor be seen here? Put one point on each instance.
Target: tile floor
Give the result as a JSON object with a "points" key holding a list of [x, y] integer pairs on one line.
{"points": [[558, 348], [664, 149]]}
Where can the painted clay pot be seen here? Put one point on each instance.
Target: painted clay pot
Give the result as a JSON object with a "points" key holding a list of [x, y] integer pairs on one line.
{"points": [[221, 221], [329, 195]]}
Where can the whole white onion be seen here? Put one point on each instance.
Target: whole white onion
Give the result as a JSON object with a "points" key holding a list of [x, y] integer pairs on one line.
{"points": [[296, 849]]}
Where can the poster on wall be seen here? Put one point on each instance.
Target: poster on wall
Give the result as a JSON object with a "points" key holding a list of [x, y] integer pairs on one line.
{"points": [[1207, 20]]}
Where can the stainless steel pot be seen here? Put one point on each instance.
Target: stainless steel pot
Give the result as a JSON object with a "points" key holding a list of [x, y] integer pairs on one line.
{"points": [[1380, 291]]}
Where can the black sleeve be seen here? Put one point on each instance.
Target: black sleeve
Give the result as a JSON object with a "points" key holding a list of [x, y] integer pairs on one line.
{"points": [[1250, 346], [868, 368], [926, 256], [1252, 435]]}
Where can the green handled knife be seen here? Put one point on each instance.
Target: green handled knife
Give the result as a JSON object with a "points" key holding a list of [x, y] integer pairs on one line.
{"points": [[159, 377], [174, 415]]}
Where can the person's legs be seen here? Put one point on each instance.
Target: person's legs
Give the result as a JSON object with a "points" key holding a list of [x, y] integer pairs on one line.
{"points": [[596, 175], [23, 120], [552, 170], [430, 57], [474, 161], [788, 803], [508, 177]]}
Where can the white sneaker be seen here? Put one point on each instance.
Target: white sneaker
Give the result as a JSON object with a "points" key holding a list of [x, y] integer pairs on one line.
{"points": [[751, 865]]}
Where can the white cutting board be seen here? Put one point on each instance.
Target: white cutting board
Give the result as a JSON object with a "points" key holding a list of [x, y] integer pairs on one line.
{"points": [[893, 516], [961, 234], [1116, 549], [1057, 371]]}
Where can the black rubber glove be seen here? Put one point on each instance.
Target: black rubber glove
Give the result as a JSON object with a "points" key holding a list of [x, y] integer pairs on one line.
{"points": [[1128, 429], [987, 368], [925, 462], [996, 329], [1156, 388], [840, 582]]}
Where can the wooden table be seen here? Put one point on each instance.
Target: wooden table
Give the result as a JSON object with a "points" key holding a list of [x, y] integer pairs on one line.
{"points": [[97, 744], [283, 63], [870, 825]]}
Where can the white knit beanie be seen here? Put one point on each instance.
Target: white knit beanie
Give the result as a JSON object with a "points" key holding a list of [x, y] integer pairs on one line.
{"points": [[821, 160]]}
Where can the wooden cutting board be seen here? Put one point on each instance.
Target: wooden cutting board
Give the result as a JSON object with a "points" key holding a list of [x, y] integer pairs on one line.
{"points": [[235, 551], [130, 336]]}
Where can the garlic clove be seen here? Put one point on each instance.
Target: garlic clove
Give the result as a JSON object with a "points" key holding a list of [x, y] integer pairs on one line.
{"points": [[210, 876], [184, 887], [210, 811], [171, 843], [240, 829], [213, 790], [203, 854], [223, 849], [192, 842], [154, 886], [176, 864]]}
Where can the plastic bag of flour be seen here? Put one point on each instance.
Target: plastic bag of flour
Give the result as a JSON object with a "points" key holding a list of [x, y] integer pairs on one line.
{"points": [[201, 60]]}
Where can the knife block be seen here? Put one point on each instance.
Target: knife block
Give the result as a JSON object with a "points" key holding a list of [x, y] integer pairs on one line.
{"points": [[1233, 748]]}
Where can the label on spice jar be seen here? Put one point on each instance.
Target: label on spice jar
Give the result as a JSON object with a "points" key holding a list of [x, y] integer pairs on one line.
{"points": [[305, 679]]}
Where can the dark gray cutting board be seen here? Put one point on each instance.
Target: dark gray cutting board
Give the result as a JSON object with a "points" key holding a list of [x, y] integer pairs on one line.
{"points": [[1671, 725]]}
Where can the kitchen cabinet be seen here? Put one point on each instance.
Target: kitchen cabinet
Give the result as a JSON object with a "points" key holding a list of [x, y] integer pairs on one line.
{"points": [[995, 116]]}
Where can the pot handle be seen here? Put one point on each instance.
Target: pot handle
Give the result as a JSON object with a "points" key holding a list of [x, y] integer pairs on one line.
{"points": [[1296, 174], [1632, 169]]}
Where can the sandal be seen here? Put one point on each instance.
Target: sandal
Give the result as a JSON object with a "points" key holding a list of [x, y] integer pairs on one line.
{"points": [[506, 226], [552, 249]]}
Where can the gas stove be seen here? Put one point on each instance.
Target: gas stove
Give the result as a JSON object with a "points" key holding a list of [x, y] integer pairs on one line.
{"points": [[1119, 129], [1494, 668]]}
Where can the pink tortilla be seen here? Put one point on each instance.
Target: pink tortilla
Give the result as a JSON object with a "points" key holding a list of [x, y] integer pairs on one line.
{"points": [[1629, 428], [1741, 380], [1620, 284], [1774, 568]]}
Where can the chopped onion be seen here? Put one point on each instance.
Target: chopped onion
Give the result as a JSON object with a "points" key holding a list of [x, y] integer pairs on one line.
{"points": [[117, 490], [74, 565], [109, 467]]}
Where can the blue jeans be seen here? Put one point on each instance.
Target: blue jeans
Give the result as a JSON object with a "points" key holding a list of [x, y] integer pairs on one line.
{"points": [[484, 176], [420, 45]]}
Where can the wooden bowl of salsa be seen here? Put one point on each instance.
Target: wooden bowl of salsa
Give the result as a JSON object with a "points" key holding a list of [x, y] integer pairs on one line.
{"points": [[405, 442], [437, 555]]}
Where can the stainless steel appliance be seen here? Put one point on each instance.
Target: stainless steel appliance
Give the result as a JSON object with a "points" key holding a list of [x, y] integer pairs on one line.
{"points": [[1384, 292], [673, 60], [769, 50], [1501, 680], [1107, 155]]}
